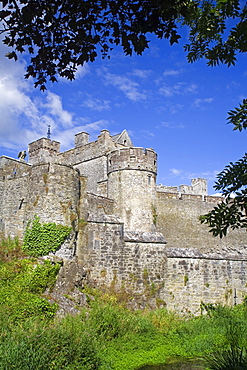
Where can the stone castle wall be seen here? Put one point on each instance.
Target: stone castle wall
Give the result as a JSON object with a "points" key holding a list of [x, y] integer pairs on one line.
{"points": [[129, 233], [14, 185], [48, 190], [178, 219], [96, 171], [192, 279]]}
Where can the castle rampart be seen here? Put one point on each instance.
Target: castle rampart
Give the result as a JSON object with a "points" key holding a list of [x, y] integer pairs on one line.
{"points": [[128, 232], [198, 187], [178, 219]]}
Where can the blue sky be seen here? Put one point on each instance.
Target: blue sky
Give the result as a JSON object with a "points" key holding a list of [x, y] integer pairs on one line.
{"points": [[165, 103]]}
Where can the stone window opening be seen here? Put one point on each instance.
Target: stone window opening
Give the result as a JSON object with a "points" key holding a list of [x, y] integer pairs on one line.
{"points": [[21, 203], [149, 180]]}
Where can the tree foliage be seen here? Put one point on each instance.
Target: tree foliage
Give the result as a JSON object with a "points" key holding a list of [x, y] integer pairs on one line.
{"points": [[232, 211], [60, 35], [210, 35]]}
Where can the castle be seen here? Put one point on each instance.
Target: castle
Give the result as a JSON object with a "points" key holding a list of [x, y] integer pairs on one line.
{"points": [[128, 232]]}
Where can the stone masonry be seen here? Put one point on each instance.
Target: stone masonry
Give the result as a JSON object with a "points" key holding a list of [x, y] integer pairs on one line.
{"points": [[128, 233]]}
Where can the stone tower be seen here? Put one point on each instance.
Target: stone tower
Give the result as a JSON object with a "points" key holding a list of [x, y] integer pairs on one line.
{"points": [[131, 183], [43, 150]]}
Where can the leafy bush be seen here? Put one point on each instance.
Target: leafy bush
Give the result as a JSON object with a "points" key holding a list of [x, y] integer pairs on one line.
{"points": [[42, 238], [21, 282], [42, 277]]}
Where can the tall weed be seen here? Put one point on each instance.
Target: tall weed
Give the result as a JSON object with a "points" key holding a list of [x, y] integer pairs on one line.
{"points": [[63, 345], [10, 248], [112, 321]]}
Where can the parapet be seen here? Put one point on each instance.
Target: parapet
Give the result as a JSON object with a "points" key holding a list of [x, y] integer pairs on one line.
{"points": [[132, 159], [198, 187], [12, 168], [43, 150]]}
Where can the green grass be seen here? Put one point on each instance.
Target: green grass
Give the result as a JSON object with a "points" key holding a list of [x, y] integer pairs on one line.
{"points": [[105, 336]]}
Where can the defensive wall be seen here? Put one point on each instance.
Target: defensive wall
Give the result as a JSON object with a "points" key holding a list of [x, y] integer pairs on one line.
{"points": [[129, 233]]}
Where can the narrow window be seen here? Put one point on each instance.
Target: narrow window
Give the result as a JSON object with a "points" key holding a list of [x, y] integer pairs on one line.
{"points": [[149, 180], [21, 203]]}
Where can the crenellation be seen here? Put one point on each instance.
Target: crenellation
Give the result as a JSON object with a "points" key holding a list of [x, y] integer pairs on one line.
{"points": [[132, 158], [127, 232]]}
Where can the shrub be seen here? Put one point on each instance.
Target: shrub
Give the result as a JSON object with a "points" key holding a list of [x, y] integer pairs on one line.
{"points": [[21, 282], [42, 238]]}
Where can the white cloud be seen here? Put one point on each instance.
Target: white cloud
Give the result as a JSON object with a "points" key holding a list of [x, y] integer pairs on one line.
{"points": [[96, 104], [200, 102], [172, 72], [55, 108], [26, 112], [187, 175], [142, 73], [126, 85], [167, 124], [147, 134], [175, 171], [167, 91], [81, 71], [19, 114], [174, 108], [177, 89]]}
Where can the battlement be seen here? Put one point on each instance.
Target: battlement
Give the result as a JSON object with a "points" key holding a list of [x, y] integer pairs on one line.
{"points": [[132, 159], [198, 187], [43, 150]]}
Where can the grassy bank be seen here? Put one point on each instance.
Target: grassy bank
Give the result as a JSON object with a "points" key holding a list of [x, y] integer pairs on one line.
{"points": [[104, 336]]}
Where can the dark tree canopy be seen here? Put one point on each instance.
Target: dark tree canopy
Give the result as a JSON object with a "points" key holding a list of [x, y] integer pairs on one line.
{"points": [[60, 35]]}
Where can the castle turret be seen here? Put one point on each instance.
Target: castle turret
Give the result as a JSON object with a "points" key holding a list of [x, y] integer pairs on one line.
{"points": [[131, 183], [43, 150], [81, 139]]}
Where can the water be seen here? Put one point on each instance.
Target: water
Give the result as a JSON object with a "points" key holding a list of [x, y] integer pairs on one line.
{"points": [[184, 365]]}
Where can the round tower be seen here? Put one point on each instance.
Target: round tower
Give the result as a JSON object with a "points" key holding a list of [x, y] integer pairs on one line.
{"points": [[131, 183]]}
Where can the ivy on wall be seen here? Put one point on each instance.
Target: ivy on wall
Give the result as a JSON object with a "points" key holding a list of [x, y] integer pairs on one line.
{"points": [[42, 238]]}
